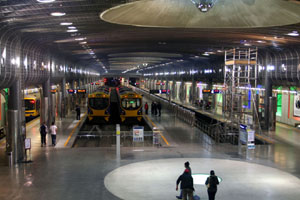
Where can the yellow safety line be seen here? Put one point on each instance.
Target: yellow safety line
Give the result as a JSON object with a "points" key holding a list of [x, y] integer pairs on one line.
{"points": [[72, 132], [266, 139], [32, 121], [163, 137]]}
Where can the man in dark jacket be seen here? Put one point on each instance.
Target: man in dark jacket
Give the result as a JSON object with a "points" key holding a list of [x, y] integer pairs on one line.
{"points": [[43, 131], [186, 185], [211, 184], [77, 112]]}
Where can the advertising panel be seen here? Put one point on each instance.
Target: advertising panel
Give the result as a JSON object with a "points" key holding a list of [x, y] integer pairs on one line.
{"points": [[297, 104], [138, 134]]}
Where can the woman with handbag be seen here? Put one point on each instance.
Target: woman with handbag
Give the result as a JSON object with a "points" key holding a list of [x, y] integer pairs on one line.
{"points": [[211, 184]]}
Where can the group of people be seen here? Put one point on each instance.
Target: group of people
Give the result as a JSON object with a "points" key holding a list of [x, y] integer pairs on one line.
{"points": [[155, 108], [44, 131], [187, 184]]}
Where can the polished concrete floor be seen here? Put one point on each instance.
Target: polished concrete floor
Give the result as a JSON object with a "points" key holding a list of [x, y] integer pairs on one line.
{"points": [[62, 172]]}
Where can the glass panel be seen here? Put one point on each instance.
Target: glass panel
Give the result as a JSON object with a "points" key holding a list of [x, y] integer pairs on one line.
{"points": [[131, 104], [279, 105], [98, 103], [29, 104]]}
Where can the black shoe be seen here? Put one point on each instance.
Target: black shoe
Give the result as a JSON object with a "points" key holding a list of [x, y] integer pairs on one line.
{"points": [[178, 197]]}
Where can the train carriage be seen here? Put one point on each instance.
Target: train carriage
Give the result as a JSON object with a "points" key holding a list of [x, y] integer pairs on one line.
{"points": [[32, 106], [99, 104]]}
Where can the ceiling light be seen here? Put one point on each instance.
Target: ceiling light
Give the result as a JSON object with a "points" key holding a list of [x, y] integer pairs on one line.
{"points": [[71, 27], [45, 1], [79, 39], [205, 54], [260, 41], [82, 42], [66, 23], [72, 30], [247, 44], [58, 14], [294, 33]]}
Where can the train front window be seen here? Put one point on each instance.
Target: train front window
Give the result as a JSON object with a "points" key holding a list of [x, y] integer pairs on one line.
{"points": [[29, 104], [131, 104], [98, 103]]}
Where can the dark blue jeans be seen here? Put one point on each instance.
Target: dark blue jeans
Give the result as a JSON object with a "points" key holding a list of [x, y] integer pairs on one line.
{"points": [[53, 139]]}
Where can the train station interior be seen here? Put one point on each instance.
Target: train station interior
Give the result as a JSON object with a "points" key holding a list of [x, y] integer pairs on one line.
{"points": [[108, 99]]}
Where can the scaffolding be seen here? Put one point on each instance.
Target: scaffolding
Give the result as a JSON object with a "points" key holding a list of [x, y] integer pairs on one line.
{"points": [[239, 102]]}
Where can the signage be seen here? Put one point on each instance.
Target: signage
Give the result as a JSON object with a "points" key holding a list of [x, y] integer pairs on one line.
{"points": [[97, 83], [206, 91], [53, 91], [92, 83], [154, 91], [216, 91], [27, 143], [83, 91], [297, 104], [164, 91], [71, 91], [138, 134]]}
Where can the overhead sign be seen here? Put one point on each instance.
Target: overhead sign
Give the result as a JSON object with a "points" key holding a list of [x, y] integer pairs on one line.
{"points": [[71, 91], [206, 91], [82, 91], [164, 91], [216, 91], [53, 91], [97, 83], [138, 134]]}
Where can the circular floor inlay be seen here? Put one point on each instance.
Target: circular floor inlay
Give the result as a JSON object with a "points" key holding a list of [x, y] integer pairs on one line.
{"points": [[156, 180]]}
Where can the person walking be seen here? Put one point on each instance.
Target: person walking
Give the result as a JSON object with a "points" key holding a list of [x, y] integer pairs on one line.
{"points": [[43, 132], [53, 129], [146, 108], [187, 166], [211, 184], [186, 185], [155, 108], [159, 108], [77, 112], [152, 107]]}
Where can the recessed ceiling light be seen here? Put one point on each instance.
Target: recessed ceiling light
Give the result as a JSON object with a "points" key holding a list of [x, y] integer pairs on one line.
{"points": [[294, 33], [58, 14], [71, 27], [82, 42], [261, 41], [66, 23], [72, 30], [247, 44], [45, 1], [205, 54], [79, 39]]}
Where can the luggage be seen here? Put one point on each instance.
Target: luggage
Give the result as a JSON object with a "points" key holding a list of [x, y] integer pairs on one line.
{"points": [[196, 197]]}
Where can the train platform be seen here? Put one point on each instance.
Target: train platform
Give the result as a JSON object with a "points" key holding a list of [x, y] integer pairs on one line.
{"points": [[270, 172]]}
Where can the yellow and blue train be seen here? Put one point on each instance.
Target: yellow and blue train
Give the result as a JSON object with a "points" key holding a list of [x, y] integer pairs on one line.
{"points": [[32, 106], [99, 104]]}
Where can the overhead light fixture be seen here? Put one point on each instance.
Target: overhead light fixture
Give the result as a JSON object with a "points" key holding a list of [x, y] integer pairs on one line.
{"points": [[293, 33], [204, 5], [261, 41], [72, 30], [66, 23], [58, 14], [72, 27], [247, 44], [45, 1], [205, 54], [82, 42], [80, 39]]}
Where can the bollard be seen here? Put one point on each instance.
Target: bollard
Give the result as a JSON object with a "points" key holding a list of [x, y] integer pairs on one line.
{"points": [[10, 159]]}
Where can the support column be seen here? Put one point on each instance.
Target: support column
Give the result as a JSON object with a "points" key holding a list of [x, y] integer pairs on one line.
{"points": [[268, 93], [15, 139], [45, 114], [193, 91], [63, 98], [53, 104]]}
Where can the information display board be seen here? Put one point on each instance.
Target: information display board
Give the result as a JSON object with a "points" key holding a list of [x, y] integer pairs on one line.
{"points": [[138, 134], [71, 91], [27, 143], [81, 91]]}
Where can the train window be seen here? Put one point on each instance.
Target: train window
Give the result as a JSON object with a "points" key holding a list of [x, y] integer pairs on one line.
{"points": [[29, 104], [98, 103], [131, 104]]}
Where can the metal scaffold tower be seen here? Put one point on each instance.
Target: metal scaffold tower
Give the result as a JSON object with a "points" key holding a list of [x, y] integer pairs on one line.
{"points": [[239, 101]]}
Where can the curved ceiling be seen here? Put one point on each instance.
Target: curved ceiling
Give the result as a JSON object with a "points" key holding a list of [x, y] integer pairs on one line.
{"points": [[105, 46], [223, 14]]}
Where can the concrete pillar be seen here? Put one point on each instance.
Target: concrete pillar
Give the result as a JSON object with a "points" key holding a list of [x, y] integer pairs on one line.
{"points": [[182, 92], [193, 91], [268, 94], [46, 104], [62, 98], [15, 137]]}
